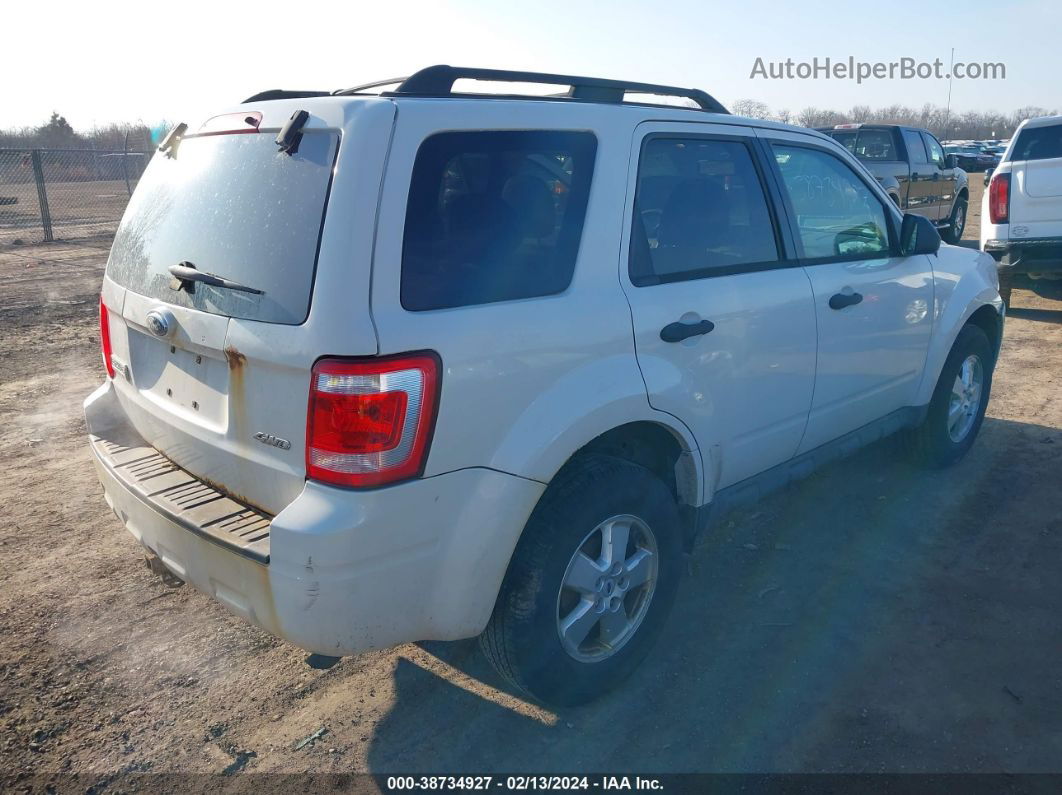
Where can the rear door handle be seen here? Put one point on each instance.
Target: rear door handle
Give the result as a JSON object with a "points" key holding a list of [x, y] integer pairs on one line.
{"points": [[841, 300], [676, 332]]}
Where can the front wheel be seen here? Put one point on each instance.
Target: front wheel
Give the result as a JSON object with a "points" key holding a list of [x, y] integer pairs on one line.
{"points": [[590, 584], [957, 408], [957, 223]]}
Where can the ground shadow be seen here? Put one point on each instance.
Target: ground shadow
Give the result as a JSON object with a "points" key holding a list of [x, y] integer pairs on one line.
{"points": [[1041, 315], [874, 617]]}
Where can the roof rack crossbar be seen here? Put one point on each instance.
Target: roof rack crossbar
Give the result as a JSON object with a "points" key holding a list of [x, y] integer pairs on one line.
{"points": [[438, 81]]}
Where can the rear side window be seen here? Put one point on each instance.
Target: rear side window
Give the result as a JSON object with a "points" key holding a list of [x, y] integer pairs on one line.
{"points": [[1038, 143], [494, 216], [232, 206], [868, 144], [699, 211], [916, 150]]}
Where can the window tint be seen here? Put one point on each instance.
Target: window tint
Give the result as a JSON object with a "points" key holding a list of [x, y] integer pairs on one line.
{"points": [[836, 213], [1038, 143], [916, 150], [936, 154], [699, 211], [494, 216], [868, 144]]}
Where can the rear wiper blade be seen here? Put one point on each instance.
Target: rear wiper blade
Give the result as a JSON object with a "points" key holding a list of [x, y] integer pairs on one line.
{"points": [[187, 274]]}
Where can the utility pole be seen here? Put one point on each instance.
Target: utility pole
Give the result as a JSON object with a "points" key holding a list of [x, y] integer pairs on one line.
{"points": [[947, 111]]}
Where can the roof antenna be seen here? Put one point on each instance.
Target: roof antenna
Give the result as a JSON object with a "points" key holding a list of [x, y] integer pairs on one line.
{"points": [[172, 140], [291, 133]]}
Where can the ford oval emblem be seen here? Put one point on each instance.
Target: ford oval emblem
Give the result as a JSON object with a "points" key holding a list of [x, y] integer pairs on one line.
{"points": [[158, 322]]}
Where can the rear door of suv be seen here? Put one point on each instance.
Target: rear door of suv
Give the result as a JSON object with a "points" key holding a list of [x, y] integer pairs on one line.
{"points": [[217, 377], [724, 318]]}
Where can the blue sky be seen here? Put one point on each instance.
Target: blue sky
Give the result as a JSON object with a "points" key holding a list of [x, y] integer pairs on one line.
{"points": [[127, 61]]}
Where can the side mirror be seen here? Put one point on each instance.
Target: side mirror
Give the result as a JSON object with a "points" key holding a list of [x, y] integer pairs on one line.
{"points": [[988, 175], [918, 236], [951, 161]]}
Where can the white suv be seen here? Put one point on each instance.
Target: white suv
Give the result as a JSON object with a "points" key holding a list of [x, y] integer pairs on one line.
{"points": [[1021, 212], [425, 365]]}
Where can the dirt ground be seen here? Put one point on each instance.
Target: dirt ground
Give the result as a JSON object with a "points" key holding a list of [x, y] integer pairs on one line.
{"points": [[873, 618]]}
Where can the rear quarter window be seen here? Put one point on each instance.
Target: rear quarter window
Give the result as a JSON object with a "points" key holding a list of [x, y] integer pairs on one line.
{"points": [[494, 216]]}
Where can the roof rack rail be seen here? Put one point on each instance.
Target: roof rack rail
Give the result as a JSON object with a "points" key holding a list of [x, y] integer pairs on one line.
{"points": [[438, 81], [280, 93], [367, 86]]}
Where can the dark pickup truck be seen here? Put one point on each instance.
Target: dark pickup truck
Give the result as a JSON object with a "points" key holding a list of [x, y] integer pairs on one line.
{"points": [[912, 166]]}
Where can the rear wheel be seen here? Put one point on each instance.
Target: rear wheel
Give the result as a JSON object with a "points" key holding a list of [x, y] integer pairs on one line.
{"points": [[959, 402], [590, 584], [957, 224]]}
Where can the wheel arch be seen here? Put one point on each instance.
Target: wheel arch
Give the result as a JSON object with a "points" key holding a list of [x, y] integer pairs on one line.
{"points": [[966, 292]]}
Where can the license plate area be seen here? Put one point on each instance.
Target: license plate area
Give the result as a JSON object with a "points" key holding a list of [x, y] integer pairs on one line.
{"points": [[190, 383]]}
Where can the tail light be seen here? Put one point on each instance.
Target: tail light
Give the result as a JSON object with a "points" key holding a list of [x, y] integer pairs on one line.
{"points": [[999, 199], [370, 421], [105, 338]]}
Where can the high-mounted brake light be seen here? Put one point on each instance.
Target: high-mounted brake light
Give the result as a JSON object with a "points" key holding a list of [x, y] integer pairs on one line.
{"points": [[231, 123], [105, 338], [999, 199], [370, 421]]}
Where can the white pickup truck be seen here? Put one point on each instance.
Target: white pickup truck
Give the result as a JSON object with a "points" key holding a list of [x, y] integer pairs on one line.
{"points": [[1021, 212]]}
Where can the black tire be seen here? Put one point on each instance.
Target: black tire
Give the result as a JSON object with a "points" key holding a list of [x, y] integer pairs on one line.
{"points": [[931, 443], [952, 233], [1006, 284], [522, 640]]}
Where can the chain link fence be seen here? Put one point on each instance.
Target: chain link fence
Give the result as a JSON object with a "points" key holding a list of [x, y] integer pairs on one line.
{"points": [[53, 194]]}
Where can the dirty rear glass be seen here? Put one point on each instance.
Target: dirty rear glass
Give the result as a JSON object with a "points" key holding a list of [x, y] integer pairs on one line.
{"points": [[235, 207]]}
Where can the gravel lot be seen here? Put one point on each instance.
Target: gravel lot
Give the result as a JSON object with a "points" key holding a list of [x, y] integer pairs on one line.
{"points": [[872, 618]]}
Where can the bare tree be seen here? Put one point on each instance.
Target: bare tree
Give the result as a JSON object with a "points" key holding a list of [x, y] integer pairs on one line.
{"points": [[751, 108]]}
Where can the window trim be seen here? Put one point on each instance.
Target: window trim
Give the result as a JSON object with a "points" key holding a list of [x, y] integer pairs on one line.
{"points": [[889, 208], [783, 244], [910, 155], [594, 144]]}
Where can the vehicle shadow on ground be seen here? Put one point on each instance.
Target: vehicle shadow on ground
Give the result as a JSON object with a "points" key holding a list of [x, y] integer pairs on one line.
{"points": [[875, 617], [1041, 315]]}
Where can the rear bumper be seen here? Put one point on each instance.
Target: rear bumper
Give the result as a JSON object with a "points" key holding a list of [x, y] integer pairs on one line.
{"points": [[344, 571], [1027, 255]]}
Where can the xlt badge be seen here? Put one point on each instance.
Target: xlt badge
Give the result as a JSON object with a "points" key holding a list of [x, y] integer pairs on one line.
{"points": [[274, 441]]}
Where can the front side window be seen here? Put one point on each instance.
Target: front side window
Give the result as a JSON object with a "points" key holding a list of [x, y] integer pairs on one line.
{"points": [[936, 154], [699, 210], [494, 216], [837, 214]]}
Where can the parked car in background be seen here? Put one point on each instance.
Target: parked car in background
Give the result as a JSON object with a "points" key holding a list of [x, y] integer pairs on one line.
{"points": [[914, 170], [1021, 212], [425, 365], [970, 158]]}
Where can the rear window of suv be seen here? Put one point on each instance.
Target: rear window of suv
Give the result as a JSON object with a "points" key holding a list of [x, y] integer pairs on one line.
{"points": [[1038, 143], [232, 206], [494, 216]]}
